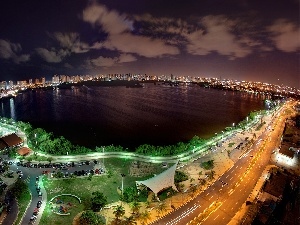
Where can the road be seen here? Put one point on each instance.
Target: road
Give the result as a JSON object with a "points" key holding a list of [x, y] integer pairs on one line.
{"points": [[239, 183], [231, 196]]}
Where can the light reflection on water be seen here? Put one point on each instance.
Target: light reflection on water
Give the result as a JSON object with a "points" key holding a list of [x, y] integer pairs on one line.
{"points": [[132, 116]]}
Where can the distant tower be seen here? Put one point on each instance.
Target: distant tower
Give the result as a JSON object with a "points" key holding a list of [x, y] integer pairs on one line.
{"points": [[172, 77]]}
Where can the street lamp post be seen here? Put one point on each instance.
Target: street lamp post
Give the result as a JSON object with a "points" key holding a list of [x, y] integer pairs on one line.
{"points": [[122, 175], [103, 155]]}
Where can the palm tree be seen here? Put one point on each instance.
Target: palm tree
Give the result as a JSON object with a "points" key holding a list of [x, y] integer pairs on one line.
{"points": [[144, 217], [193, 189], [135, 207], [118, 212], [161, 207], [211, 175], [129, 221], [147, 204]]}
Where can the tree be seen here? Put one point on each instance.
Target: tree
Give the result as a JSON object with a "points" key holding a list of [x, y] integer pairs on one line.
{"points": [[193, 189], [129, 221], [180, 176], [50, 159], [208, 164], [147, 204], [161, 207], [118, 212], [130, 194], [90, 218], [98, 201], [135, 207], [144, 217], [211, 175], [19, 188]]}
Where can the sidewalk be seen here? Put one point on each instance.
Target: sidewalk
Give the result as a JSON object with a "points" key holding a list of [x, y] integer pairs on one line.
{"points": [[245, 212]]}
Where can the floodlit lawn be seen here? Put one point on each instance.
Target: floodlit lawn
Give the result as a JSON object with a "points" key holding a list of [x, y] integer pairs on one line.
{"points": [[49, 217], [83, 188]]}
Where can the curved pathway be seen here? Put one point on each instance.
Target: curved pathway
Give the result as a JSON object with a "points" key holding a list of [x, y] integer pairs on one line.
{"points": [[31, 173]]}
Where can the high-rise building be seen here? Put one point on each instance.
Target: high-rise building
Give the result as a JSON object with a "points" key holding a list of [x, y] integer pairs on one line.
{"points": [[3, 85], [10, 84], [43, 81], [55, 79]]}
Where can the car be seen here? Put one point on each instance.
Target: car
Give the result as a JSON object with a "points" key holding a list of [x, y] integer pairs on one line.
{"points": [[64, 168], [36, 211], [32, 219], [39, 204], [37, 178], [40, 194]]}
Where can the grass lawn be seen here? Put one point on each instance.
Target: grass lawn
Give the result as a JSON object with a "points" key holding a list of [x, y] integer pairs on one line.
{"points": [[83, 188]]}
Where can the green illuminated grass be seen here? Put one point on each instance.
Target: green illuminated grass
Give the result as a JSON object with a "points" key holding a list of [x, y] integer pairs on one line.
{"points": [[83, 188], [22, 204]]}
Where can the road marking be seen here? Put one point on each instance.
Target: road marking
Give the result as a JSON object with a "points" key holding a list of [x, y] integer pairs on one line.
{"points": [[184, 214], [211, 197], [216, 217], [207, 194], [231, 178], [227, 176]]}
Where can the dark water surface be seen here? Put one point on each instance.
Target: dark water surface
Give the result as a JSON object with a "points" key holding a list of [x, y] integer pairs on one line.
{"points": [[155, 114]]}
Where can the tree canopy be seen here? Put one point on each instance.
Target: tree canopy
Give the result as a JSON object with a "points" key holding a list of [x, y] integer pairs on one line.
{"points": [[98, 201], [91, 218]]}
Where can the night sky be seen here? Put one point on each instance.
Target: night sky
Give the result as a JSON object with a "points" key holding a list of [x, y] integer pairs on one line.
{"points": [[257, 40]]}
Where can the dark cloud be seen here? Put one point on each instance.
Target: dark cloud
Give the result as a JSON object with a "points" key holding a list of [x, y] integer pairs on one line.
{"points": [[231, 38]]}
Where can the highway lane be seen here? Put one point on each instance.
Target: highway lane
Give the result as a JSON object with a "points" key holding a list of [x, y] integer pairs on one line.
{"points": [[240, 179], [261, 154], [240, 195], [216, 192]]}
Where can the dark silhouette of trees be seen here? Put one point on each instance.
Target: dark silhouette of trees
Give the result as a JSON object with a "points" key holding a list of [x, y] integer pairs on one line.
{"points": [[91, 218], [98, 201]]}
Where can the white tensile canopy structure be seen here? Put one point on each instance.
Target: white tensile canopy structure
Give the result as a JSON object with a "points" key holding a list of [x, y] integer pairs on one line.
{"points": [[160, 181]]}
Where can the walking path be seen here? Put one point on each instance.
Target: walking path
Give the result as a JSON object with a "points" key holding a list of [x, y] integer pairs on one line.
{"points": [[223, 160]]}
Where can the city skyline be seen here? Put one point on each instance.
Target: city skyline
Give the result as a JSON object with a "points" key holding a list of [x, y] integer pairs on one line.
{"points": [[239, 40]]}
